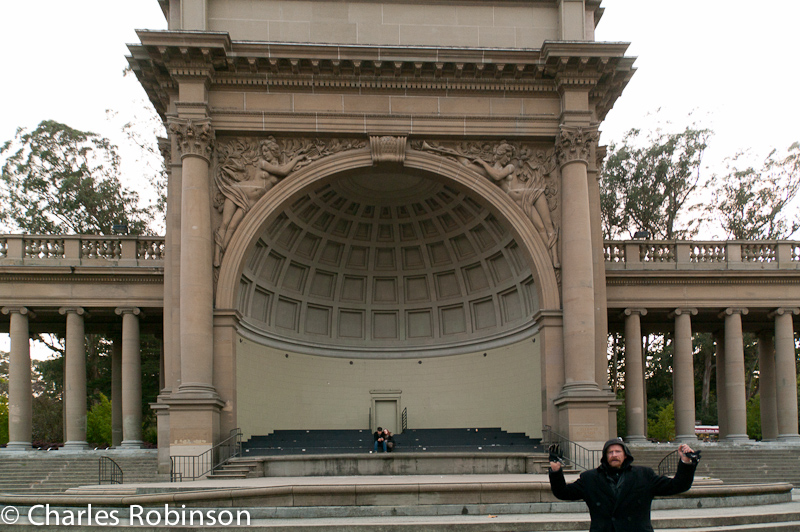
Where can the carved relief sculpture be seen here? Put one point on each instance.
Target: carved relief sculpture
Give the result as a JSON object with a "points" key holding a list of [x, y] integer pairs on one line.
{"points": [[248, 168], [522, 172]]}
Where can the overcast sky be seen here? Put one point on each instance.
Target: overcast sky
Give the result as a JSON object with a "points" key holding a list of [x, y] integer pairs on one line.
{"points": [[730, 65], [731, 62]]}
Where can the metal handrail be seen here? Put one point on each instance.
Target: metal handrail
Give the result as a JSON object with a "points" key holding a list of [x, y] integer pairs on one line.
{"points": [[109, 472], [668, 465], [404, 420], [194, 467], [574, 454]]}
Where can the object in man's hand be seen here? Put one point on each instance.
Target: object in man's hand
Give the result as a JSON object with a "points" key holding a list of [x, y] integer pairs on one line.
{"points": [[556, 455], [694, 456]]}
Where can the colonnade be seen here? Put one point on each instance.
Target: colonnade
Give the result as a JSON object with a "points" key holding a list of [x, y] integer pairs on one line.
{"points": [[778, 376], [126, 380]]}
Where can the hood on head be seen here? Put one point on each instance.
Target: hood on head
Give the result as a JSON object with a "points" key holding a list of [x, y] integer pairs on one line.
{"points": [[616, 441]]}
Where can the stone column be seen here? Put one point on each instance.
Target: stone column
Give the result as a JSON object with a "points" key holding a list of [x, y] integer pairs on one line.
{"points": [[635, 407], [722, 402], [574, 149], [116, 391], [786, 374], [683, 376], [734, 375], [20, 394], [195, 141], [131, 379], [583, 406], [766, 386], [75, 380], [194, 409]]}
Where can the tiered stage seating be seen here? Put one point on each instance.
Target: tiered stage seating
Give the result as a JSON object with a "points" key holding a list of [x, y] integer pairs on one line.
{"points": [[287, 442]]}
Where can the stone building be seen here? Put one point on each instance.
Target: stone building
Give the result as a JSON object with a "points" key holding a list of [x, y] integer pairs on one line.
{"points": [[380, 210]]}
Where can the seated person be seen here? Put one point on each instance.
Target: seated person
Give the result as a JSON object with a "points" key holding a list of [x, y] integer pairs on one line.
{"points": [[388, 440], [379, 439]]}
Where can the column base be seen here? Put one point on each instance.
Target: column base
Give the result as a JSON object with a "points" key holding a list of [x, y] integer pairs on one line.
{"points": [[737, 438], [132, 444], [686, 438], [784, 438], [583, 414], [635, 439], [19, 446], [76, 446]]}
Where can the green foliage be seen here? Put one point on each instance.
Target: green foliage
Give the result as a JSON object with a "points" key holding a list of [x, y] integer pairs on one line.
{"points": [[662, 428], [98, 422], [647, 181], [58, 180], [751, 204], [3, 420], [754, 418], [48, 419]]}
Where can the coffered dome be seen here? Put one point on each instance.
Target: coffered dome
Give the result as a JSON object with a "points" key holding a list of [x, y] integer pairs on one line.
{"points": [[395, 262]]}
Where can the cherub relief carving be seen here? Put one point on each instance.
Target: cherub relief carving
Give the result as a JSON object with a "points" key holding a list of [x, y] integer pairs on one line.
{"points": [[522, 172], [248, 168]]}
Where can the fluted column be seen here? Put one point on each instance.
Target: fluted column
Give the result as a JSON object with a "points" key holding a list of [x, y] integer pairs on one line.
{"points": [[574, 148], [683, 376], [20, 395], [722, 400], [131, 379], [635, 408], [195, 142], [786, 374], [734, 375], [766, 386], [116, 391], [75, 380]]}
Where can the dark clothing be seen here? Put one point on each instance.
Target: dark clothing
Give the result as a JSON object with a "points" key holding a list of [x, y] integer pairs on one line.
{"points": [[619, 498]]}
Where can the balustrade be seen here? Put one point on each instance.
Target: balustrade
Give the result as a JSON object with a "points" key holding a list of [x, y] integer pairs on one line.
{"points": [[689, 255], [81, 250]]}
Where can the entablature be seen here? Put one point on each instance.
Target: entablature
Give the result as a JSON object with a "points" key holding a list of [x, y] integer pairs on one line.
{"points": [[164, 56]]}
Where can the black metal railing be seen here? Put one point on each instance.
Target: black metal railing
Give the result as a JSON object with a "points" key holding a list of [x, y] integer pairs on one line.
{"points": [[194, 467], [573, 454], [668, 465], [109, 471], [404, 420]]}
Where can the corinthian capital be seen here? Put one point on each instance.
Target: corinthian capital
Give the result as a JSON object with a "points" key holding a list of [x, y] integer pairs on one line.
{"points": [[576, 143], [195, 137]]}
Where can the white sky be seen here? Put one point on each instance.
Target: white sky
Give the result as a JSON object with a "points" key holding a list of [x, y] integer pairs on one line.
{"points": [[733, 62]]}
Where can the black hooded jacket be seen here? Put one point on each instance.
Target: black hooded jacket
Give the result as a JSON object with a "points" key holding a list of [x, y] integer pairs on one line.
{"points": [[619, 500]]}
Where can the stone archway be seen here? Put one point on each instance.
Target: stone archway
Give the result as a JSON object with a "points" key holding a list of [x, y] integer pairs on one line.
{"points": [[247, 345]]}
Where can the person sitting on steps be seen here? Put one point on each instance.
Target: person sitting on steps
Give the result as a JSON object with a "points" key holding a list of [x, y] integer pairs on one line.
{"points": [[379, 439], [388, 440]]}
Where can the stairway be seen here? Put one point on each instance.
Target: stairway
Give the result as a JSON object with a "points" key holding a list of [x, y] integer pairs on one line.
{"points": [[286, 442], [57, 471], [734, 465]]}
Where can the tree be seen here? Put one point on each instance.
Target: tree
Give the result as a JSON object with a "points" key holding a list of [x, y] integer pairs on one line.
{"points": [[753, 204], [647, 182], [59, 180]]}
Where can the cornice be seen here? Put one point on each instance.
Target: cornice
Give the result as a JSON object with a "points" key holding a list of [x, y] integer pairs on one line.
{"points": [[81, 279], [164, 55]]}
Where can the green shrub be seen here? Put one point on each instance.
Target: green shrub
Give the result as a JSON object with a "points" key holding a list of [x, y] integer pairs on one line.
{"points": [[663, 427], [98, 422]]}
